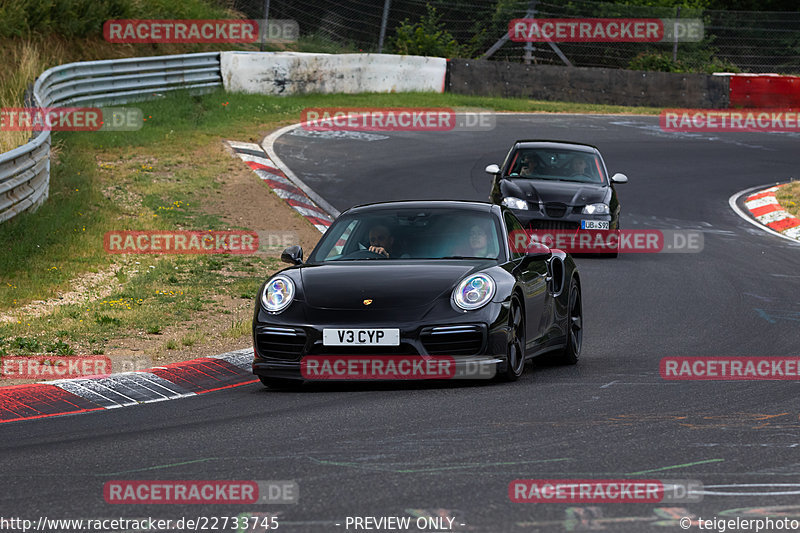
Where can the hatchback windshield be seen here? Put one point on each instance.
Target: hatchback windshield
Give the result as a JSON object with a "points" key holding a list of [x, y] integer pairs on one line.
{"points": [[556, 164]]}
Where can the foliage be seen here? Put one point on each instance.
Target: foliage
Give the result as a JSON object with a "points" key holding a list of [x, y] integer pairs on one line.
{"points": [[84, 18], [663, 62], [427, 37]]}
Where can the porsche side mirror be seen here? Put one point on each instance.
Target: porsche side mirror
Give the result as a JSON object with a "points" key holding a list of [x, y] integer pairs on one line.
{"points": [[293, 255], [619, 178], [493, 169], [537, 251]]}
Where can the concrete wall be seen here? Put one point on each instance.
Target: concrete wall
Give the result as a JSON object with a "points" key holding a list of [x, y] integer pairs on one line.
{"points": [[589, 85], [297, 73]]}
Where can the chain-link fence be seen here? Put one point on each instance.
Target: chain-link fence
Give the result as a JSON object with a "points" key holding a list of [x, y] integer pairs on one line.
{"points": [[733, 40]]}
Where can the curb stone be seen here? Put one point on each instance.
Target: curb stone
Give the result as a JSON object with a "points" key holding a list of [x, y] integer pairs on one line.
{"points": [[170, 382]]}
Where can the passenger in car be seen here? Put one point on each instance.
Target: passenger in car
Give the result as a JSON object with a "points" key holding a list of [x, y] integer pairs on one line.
{"points": [[478, 245]]}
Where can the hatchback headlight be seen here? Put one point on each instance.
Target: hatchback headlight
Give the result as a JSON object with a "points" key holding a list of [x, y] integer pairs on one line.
{"points": [[595, 209], [278, 294], [474, 292], [515, 203]]}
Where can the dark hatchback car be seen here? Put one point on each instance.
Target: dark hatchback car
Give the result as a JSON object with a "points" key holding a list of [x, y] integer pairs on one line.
{"points": [[419, 279], [556, 185]]}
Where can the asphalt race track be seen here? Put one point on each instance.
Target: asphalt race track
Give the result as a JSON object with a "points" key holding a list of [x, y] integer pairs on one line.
{"points": [[431, 450]]}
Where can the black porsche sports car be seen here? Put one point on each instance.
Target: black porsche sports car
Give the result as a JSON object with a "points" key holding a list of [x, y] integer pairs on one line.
{"points": [[556, 185], [420, 280]]}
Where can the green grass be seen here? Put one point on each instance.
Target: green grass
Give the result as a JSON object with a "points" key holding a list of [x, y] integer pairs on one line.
{"points": [[82, 18], [156, 178], [238, 328], [789, 197]]}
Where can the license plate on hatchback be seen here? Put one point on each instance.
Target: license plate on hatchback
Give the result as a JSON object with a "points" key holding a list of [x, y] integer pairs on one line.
{"points": [[594, 224]]}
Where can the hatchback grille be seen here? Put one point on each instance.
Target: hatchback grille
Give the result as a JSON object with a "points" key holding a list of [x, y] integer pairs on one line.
{"points": [[453, 340], [555, 209], [280, 343], [554, 224]]}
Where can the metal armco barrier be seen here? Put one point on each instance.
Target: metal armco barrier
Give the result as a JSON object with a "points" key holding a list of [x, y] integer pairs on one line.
{"points": [[25, 171]]}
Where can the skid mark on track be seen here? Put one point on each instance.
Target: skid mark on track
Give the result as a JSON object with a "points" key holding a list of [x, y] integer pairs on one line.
{"points": [[158, 467], [385, 467], [673, 467]]}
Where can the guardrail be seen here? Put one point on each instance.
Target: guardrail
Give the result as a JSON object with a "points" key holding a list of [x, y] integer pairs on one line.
{"points": [[25, 171]]}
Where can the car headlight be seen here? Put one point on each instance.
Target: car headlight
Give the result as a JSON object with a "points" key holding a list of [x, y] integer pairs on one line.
{"points": [[595, 209], [515, 203], [278, 294], [474, 292]]}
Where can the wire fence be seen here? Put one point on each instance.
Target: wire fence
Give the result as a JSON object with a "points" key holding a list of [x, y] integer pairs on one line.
{"points": [[749, 41]]}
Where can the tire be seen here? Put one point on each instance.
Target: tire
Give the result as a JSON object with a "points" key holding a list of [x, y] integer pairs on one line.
{"points": [[572, 351], [615, 254], [515, 350], [280, 383]]}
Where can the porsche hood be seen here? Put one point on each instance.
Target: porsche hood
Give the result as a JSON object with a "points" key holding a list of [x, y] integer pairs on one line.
{"points": [[392, 284]]}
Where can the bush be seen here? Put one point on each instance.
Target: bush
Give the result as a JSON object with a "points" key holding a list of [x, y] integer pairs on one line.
{"points": [[656, 61], [83, 18], [663, 62], [424, 38]]}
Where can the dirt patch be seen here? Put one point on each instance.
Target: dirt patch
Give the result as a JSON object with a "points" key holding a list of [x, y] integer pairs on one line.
{"points": [[245, 200], [89, 287]]}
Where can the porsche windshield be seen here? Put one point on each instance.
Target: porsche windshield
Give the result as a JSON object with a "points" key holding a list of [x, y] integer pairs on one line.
{"points": [[437, 233], [557, 164]]}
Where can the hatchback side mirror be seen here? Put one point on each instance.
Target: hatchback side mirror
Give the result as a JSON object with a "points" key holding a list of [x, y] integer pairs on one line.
{"points": [[619, 178], [293, 255], [493, 169]]}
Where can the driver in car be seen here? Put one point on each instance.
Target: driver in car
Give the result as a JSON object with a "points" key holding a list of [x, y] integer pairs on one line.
{"points": [[529, 166], [381, 240]]}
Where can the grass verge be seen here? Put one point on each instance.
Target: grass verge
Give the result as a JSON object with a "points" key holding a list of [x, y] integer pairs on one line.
{"points": [[789, 198]]}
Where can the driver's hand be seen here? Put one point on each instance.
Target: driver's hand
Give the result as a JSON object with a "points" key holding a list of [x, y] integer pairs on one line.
{"points": [[379, 250]]}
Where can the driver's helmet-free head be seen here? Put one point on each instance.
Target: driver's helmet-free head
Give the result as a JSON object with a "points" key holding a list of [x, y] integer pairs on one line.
{"points": [[380, 234], [529, 160], [581, 162]]}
